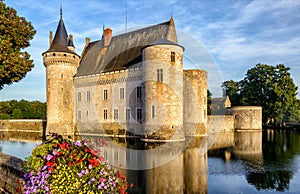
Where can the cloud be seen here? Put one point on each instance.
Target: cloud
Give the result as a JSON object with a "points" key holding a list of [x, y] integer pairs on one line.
{"points": [[236, 34]]}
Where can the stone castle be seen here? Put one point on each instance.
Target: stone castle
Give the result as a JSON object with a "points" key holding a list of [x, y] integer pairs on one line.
{"points": [[131, 83]]}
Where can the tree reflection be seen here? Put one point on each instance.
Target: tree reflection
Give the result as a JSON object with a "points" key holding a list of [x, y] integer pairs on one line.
{"points": [[279, 180], [279, 151]]}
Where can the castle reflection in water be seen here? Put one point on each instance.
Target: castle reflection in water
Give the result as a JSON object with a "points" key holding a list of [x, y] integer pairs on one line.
{"points": [[169, 167], [266, 159]]}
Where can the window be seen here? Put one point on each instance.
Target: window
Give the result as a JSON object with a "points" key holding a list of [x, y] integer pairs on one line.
{"points": [[116, 114], [160, 75], [88, 95], [172, 56], [204, 113], [139, 115], [152, 112], [116, 155], [87, 113], [105, 114], [79, 114], [128, 114], [79, 96], [105, 94], [61, 76], [139, 92], [121, 93]]}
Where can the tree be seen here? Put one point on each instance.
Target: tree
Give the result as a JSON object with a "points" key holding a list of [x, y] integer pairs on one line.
{"points": [[15, 34], [17, 114], [270, 87], [22, 110], [231, 89], [209, 95]]}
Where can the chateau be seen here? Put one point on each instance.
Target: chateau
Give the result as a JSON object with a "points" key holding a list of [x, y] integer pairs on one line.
{"points": [[131, 83]]}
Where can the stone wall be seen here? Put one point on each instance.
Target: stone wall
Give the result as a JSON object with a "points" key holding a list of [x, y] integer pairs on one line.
{"points": [[10, 174], [219, 123], [247, 117], [23, 129], [24, 125], [89, 112]]}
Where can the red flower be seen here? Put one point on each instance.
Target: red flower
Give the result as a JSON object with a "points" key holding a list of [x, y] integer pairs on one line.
{"points": [[49, 163], [87, 150], [93, 162], [131, 185], [70, 163], [122, 190], [101, 180], [64, 145]]}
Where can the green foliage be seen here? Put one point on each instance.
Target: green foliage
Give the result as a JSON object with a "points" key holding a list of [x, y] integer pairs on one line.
{"points": [[15, 34], [17, 114], [270, 87], [209, 95], [22, 110], [231, 89]]}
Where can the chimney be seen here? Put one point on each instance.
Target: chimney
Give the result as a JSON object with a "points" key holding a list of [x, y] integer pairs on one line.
{"points": [[107, 34], [87, 41], [50, 38]]}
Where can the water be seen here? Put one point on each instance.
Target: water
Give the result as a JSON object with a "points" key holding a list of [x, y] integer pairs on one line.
{"points": [[274, 170], [251, 162], [19, 144], [16, 148]]}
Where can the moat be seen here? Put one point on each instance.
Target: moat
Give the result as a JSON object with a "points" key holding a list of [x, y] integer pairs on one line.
{"points": [[267, 162]]}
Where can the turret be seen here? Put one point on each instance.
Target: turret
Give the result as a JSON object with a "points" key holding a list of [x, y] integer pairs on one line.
{"points": [[61, 63]]}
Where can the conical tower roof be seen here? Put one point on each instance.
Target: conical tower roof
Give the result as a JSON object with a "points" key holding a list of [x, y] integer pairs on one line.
{"points": [[60, 42]]}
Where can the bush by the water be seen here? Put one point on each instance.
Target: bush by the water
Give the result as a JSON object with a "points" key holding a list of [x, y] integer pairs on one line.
{"points": [[60, 165]]}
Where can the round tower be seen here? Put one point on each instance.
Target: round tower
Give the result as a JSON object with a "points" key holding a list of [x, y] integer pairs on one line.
{"points": [[163, 85], [195, 102], [61, 63]]}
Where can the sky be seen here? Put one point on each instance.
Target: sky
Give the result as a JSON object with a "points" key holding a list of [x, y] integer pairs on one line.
{"points": [[223, 37]]}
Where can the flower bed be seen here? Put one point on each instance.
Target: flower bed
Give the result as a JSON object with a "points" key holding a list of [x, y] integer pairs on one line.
{"points": [[63, 166]]}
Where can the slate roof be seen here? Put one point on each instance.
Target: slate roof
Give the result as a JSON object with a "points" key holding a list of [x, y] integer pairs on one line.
{"points": [[60, 42], [124, 50], [163, 41]]}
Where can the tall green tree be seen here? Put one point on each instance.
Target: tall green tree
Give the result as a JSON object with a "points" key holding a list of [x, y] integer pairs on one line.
{"points": [[231, 89], [270, 87], [15, 34]]}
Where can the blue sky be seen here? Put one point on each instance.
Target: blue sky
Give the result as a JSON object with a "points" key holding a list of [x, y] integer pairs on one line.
{"points": [[233, 35]]}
